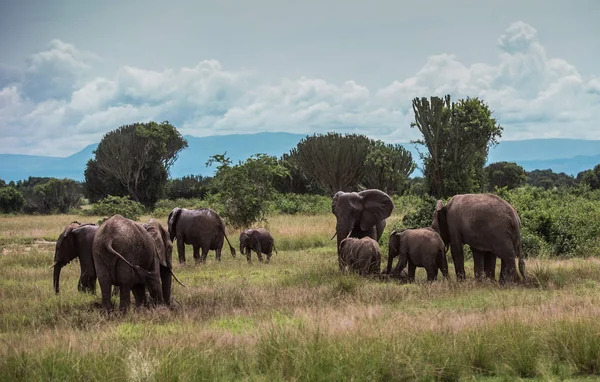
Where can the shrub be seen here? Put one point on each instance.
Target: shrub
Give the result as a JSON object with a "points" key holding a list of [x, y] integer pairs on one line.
{"points": [[11, 200], [423, 215], [123, 205], [301, 204]]}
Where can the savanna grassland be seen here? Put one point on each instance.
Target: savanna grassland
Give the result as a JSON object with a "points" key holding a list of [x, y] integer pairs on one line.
{"points": [[296, 318]]}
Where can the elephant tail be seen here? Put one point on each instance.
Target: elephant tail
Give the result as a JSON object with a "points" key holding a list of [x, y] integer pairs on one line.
{"points": [[230, 246], [139, 270], [275, 249], [519, 252]]}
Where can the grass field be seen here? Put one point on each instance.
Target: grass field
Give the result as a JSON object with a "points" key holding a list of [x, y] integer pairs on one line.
{"points": [[296, 318]]}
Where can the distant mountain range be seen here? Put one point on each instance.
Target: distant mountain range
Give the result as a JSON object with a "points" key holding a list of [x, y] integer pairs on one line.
{"points": [[570, 156]]}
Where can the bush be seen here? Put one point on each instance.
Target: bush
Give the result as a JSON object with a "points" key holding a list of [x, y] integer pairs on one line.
{"points": [[123, 205], [301, 204], [11, 200], [564, 222], [423, 215]]}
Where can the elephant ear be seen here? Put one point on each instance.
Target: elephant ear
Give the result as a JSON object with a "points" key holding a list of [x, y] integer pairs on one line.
{"points": [[440, 222], [334, 200], [377, 206], [162, 243], [172, 222]]}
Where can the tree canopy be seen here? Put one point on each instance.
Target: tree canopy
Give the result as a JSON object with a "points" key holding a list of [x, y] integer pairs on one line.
{"points": [[457, 137], [505, 174], [246, 188], [134, 160], [349, 162]]}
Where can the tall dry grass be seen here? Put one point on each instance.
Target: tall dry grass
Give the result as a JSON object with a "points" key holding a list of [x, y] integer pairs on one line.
{"points": [[296, 318]]}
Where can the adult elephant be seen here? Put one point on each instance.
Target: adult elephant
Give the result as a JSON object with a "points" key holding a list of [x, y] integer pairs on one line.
{"points": [[76, 242], [360, 214], [133, 256], [490, 226], [202, 229]]}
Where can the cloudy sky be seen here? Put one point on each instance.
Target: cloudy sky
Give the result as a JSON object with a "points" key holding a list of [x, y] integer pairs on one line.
{"points": [[71, 71]]}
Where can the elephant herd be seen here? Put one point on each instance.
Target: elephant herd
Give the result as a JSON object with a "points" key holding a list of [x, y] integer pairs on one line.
{"points": [[136, 257], [487, 223]]}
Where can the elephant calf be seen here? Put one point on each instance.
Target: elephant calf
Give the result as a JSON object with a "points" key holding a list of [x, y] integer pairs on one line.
{"points": [[258, 240], [361, 255], [420, 247]]}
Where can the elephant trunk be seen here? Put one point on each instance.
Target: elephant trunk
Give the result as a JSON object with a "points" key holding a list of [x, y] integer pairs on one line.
{"points": [[57, 269]]}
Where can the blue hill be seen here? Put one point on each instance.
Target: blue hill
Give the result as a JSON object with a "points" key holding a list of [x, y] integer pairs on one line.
{"points": [[561, 155]]}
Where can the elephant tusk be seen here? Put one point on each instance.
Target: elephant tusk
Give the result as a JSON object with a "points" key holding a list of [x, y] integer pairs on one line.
{"points": [[333, 236], [53, 265], [176, 279]]}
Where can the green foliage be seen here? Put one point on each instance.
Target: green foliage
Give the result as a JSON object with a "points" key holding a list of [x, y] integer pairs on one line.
{"points": [[295, 181], [11, 200], [245, 189], [191, 186], [423, 215], [134, 160], [123, 205], [302, 204], [457, 137], [50, 195], [548, 179], [333, 161], [590, 177], [564, 223], [505, 174], [387, 167]]}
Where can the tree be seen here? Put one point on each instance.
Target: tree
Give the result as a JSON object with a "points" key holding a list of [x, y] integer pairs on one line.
{"points": [[505, 174], [333, 161], [187, 187], [245, 189], [47, 195], [387, 167], [457, 137], [138, 157], [11, 200], [548, 179], [590, 177], [294, 181]]}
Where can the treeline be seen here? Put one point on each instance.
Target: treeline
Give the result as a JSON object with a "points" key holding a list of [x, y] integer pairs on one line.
{"points": [[133, 162]]}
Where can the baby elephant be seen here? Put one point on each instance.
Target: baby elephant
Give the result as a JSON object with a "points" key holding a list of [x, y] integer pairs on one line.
{"points": [[421, 247], [258, 240], [360, 255]]}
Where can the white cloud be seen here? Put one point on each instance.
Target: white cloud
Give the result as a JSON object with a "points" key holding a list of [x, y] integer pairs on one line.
{"points": [[55, 104]]}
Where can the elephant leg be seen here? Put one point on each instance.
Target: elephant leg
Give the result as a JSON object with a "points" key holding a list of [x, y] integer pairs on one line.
{"points": [[411, 271], [166, 284], [218, 253], [105, 289], [400, 266], [478, 263], [196, 252], [139, 294], [248, 255], [125, 298], [508, 271], [269, 254], [458, 257], [259, 255], [181, 250], [489, 265], [204, 254], [432, 273]]}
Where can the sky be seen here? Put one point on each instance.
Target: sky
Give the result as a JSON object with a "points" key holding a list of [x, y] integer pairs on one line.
{"points": [[72, 71]]}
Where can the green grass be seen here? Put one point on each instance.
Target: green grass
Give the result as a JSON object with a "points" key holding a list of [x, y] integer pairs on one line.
{"points": [[296, 318]]}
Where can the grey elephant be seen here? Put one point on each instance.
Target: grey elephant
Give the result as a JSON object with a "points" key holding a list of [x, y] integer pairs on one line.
{"points": [[360, 214], [419, 247], [360, 255], [133, 256], [76, 242], [202, 228], [258, 240], [490, 226]]}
